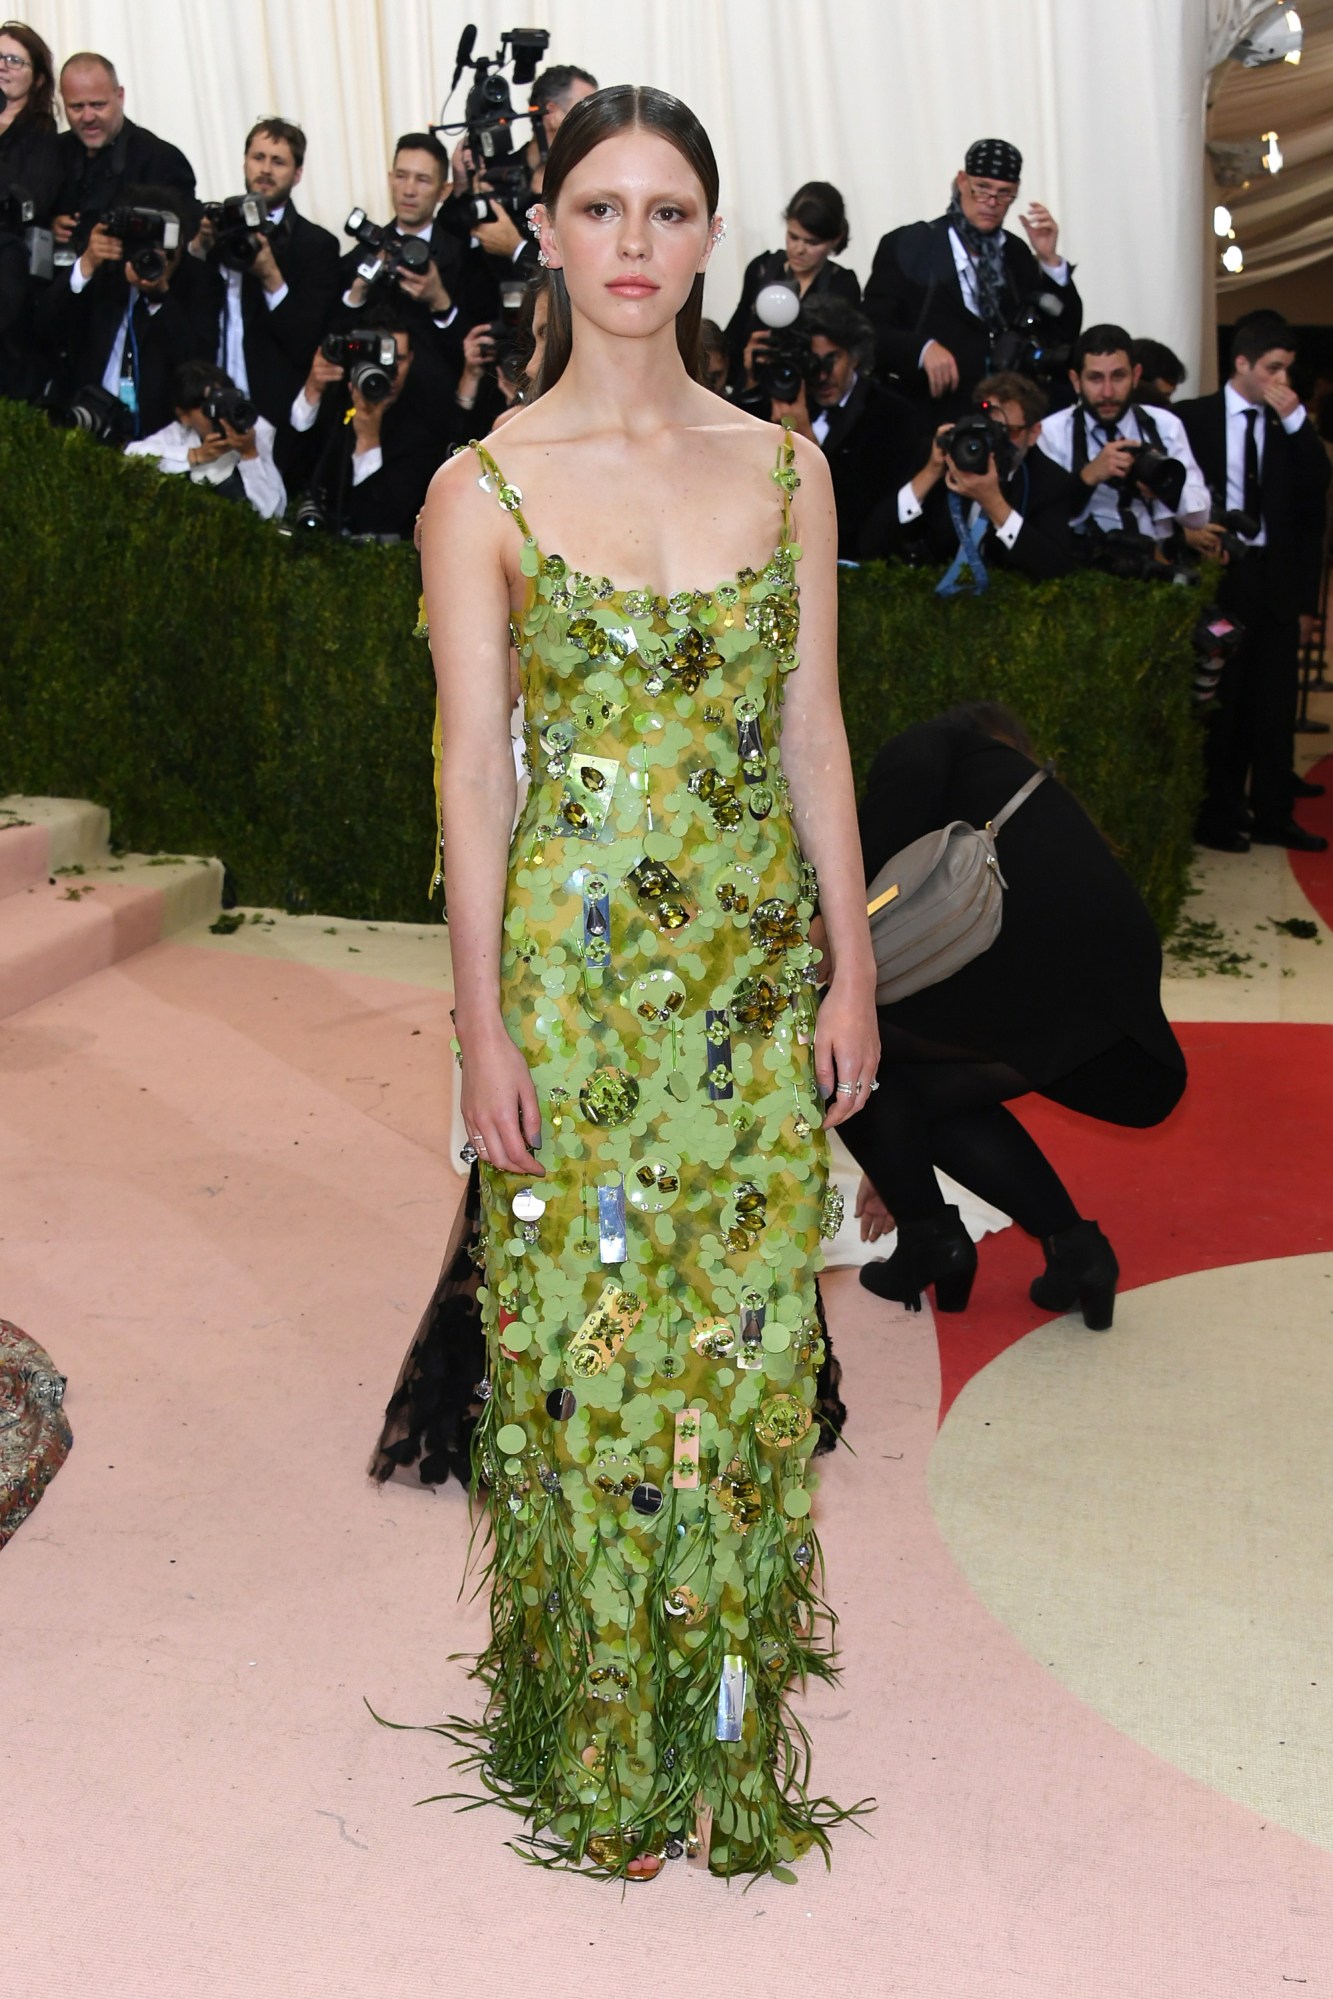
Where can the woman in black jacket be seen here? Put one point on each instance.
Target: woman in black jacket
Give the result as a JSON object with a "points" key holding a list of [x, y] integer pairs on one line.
{"points": [[817, 232], [29, 154], [1065, 1002]]}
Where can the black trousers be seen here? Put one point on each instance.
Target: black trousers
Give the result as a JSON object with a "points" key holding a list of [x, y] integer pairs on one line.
{"points": [[1251, 728]]}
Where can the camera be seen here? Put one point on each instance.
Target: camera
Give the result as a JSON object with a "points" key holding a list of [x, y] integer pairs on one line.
{"points": [[510, 349], [786, 361], [1162, 476], [1022, 350], [149, 237], [240, 223], [370, 358], [229, 406], [387, 253], [17, 211], [1136, 557], [310, 515], [95, 411], [1217, 638], [1239, 529], [489, 117], [974, 440]]}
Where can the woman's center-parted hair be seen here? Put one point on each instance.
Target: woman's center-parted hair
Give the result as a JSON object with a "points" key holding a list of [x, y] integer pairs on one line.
{"points": [[624, 107]]}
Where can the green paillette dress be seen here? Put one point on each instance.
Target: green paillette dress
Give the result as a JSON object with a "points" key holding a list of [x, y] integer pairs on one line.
{"points": [[649, 1305]]}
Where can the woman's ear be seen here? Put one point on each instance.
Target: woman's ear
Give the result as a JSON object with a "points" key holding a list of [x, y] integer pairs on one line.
{"points": [[717, 229], [542, 227]]}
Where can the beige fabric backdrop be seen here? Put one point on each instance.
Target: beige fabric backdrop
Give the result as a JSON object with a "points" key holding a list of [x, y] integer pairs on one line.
{"points": [[880, 96]]}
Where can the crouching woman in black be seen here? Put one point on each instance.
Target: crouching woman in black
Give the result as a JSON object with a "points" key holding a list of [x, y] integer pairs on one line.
{"points": [[1066, 1002]]}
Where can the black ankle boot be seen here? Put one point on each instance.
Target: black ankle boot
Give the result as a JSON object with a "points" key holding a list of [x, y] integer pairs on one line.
{"points": [[1080, 1264], [938, 1251]]}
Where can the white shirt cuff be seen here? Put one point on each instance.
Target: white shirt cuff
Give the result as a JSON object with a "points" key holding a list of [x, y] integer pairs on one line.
{"points": [[909, 507], [77, 281], [366, 464], [1291, 424], [443, 319], [1058, 273], [1011, 530], [303, 413], [274, 299], [348, 300]]}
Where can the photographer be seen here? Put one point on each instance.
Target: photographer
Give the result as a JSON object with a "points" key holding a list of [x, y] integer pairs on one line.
{"points": [[817, 232], [29, 148], [114, 318], [218, 439], [870, 436], [366, 473], [1020, 500], [1102, 441], [554, 94], [1269, 474], [500, 360], [103, 153], [260, 298], [942, 294], [1161, 372], [428, 299]]}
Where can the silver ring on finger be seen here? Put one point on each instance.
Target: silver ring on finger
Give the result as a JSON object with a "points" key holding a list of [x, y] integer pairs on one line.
{"points": [[846, 1090]]}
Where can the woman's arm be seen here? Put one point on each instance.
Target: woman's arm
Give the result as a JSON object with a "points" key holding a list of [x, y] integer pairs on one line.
{"points": [[819, 773], [467, 605]]}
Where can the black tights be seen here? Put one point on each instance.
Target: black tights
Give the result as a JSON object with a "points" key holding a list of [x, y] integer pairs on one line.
{"points": [[942, 1107]]}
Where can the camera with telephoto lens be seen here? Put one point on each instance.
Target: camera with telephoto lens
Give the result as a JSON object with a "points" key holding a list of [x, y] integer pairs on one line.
{"points": [[490, 115], [387, 253], [17, 213], [1217, 638], [96, 412], [231, 407], [1239, 530], [973, 441], [240, 224], [148, 236], [1022, 348], [508, 348], [785, 360], [370, 359], [1133, 556], [1152, 468]]}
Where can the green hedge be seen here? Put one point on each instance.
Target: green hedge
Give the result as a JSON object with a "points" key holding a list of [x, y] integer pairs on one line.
{"points": [[224, 689]]}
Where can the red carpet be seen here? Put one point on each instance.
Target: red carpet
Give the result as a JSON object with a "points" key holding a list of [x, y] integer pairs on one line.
{"points": [[1227, 1179]]}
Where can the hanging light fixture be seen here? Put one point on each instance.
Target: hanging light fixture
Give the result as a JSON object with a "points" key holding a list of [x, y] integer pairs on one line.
{"points": [[1272, 155], [1233, 259], [1221, 220], [1275, 37]]}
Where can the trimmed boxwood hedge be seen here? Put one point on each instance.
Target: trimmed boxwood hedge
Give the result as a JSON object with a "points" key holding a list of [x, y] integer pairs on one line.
{"points": [[226, 689]]}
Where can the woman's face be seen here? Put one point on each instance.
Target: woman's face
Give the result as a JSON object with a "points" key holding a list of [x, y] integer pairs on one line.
{"points": [[15, 70], [806, 255], [631, 231]]}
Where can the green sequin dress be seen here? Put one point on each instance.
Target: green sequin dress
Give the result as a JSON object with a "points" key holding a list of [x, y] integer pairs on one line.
{"points": [[649, 1305]]}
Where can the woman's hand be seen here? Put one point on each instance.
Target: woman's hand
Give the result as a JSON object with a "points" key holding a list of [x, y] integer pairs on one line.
{"points": [[846, 1047], [871, 1212], [499, 1104]]}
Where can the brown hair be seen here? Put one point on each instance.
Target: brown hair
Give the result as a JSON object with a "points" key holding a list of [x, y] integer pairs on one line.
{"points": [[624, 107], [284, 132], [40, 107], [1011, 388], [818, 209]]}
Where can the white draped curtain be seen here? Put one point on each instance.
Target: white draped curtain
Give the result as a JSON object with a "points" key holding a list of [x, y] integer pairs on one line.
{"points": [[879, 96]]}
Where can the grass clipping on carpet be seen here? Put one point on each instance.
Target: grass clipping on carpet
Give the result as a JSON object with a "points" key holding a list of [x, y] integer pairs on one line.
{"points": [[226, 689]]}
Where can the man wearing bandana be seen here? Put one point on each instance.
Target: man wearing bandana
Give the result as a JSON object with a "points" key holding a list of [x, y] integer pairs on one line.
{"points": [[942, 292]]}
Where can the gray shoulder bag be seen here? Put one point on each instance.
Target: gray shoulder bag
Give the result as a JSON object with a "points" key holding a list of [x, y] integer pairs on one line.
{"points": [[937, 904]]}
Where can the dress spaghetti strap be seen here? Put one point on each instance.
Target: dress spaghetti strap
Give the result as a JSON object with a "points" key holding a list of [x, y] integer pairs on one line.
{"points": [[786, 476], [493, 480]]}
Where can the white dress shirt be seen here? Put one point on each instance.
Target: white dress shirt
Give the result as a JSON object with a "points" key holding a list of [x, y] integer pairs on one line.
{"points": [[171, 447], [1236, 407], [1103, 507], [819, 422], [231, 333]]}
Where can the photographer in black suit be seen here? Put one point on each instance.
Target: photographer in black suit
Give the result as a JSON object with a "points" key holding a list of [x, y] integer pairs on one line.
{"points": [[368, 470], [942, 293], [870, 436], [817, 234], [435, 303], [1261, 456], [104, 152], [1023, 507], [123, 327], [260, 304]]}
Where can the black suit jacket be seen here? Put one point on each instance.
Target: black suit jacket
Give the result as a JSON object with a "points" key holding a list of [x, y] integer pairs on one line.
{"points": [[279, 344], [94, 182], [873, 443], [80, 331], [30, 158], [770, 268], [914, 296], [1293, 480], [1045, 495]]}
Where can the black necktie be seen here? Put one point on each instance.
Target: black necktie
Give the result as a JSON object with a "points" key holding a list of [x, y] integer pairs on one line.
{"points": [[1253, 499]]}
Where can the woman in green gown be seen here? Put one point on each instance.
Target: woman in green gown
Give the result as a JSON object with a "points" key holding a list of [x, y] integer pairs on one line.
{"points": [[644, 1076]]}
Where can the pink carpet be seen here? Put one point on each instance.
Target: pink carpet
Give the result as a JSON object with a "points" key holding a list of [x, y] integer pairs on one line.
{"points": [[226, 1198]]}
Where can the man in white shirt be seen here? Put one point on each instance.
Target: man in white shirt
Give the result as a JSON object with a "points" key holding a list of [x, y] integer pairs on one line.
{"points": [[1101, 439], [213, 444]]}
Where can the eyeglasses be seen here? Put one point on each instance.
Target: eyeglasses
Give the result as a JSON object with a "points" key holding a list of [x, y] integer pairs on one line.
{"points": [[990, 196], [14, 62]]}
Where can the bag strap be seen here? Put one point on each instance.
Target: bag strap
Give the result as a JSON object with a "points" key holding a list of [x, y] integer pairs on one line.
{"points": [[1020, 797]]}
